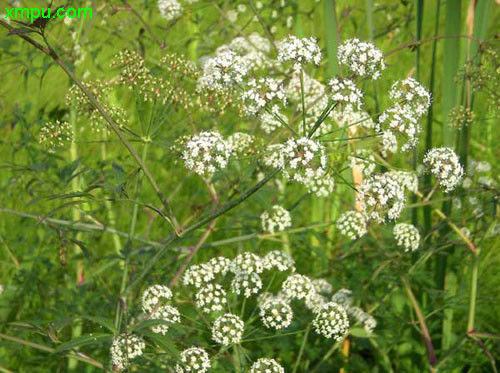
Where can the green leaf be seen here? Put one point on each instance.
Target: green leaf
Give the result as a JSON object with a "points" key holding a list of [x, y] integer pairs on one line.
{"points": [[162, 341], [107, 323], [360, 332], [84, 340]]}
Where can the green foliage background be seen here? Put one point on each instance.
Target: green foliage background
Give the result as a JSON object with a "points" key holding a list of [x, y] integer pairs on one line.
{"points": [[94, 183]]}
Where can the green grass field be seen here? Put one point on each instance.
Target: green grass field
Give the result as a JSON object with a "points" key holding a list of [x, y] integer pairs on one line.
{"points": [[287, 182]]}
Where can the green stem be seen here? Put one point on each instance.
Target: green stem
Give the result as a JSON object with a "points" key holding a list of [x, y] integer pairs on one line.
{"points": [[302, 346], [473, 293]]}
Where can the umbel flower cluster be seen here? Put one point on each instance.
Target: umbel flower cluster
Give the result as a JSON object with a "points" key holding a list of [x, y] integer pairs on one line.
{"points": [[329, 313]]}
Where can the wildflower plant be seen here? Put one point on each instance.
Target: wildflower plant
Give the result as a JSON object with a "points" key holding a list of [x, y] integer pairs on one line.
{"points": [[246, 179]]}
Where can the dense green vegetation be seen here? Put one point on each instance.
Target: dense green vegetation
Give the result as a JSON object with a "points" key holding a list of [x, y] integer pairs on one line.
{"points": [[98, 201]]}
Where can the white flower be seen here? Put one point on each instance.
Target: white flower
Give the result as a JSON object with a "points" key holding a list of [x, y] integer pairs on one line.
{"points": [[343, 297], [345, 93], [406, 236], [261, 93], [363, 59], [254, 49], [206, 153], [246, 283], [278, 259], [320, 183], [247, 263], [381, 195], [274, 156], [388, 143], [331, 321], [444, 164], [223, 70], [348, 117], [321, 286], [232, 15], [153, 296], [368, 321], [193, 360], [299, 51], [276, 314], [240, 143], [401, 120], [297, 286], [269, 122], [211, 298], [315, 301], [124, 348], [352, 224], [364, 159], [266, 366], [407, 179], [166, 313], [219, 265], [276, 219], [197, 275], [170, 9], [228, 329], [412, 94], [305, 159]]}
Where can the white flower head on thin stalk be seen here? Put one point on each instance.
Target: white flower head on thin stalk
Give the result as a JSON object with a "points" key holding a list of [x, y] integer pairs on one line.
{"points": [[277, 219], [321, 286], [315, 301], [206, 153], [299, 51], [380, 196], [276, 314], [406, 236], [412, 94], [246, 283], [352, 224], [345, 93], [345, 117], [154, 296], [361, 58], [408, 179], [223, 71], [124, 348], [403, 121], [262, 93], [304, 159], [219, 265], [364, 159], [211, 298], [170, 9], [193, 360], [388, 143], [444, 164], [254, 51], [274, 156], [278, 259], [167, 313], [331, 321], [320, 183], [368, 321], [297, 286], [240, 143], [266, 366], [228, 329], [198, 275], [343, 297], [269, 122], [247, 263]]}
